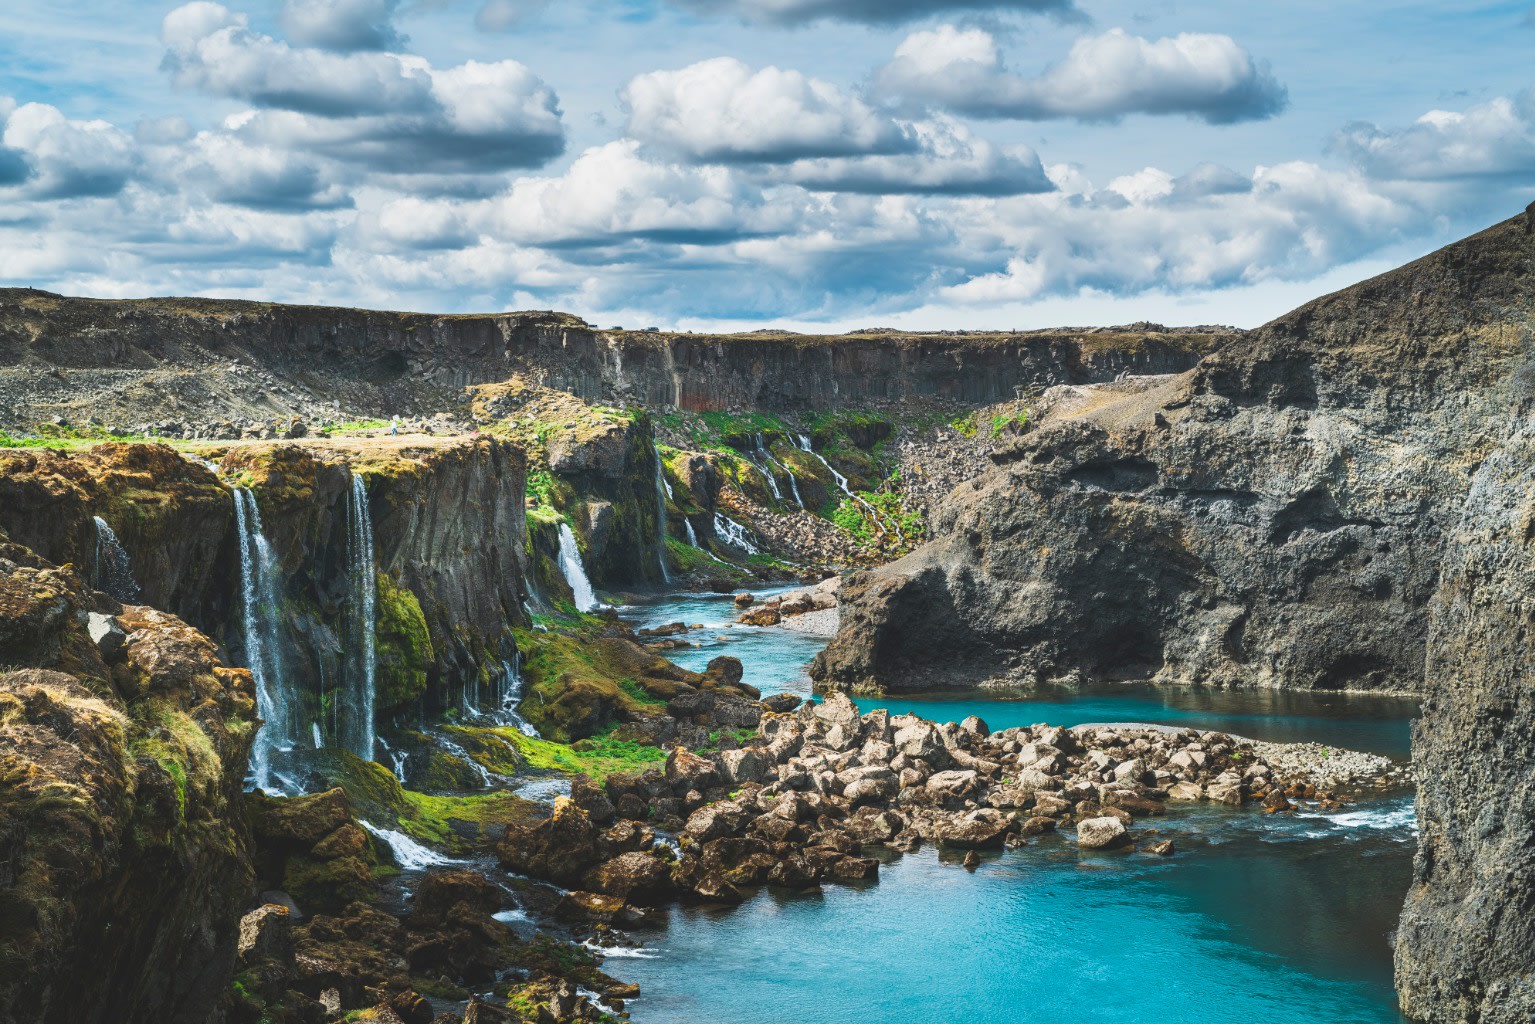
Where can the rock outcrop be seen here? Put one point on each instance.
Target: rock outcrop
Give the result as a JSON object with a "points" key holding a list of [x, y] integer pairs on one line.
{"points": [[123, 855], [219, 356], [1275, 517], [1465, 950]]}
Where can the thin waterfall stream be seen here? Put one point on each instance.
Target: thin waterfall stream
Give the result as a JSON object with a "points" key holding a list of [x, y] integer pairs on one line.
{"points": [[114, 572], [260, 587], [355, 720]]}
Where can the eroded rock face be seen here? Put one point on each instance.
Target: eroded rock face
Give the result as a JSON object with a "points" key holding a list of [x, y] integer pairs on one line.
{"points": [[1466, 945], [126, 861], [1274, 517]]}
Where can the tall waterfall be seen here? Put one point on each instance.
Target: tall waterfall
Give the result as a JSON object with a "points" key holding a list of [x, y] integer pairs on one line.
{"points": [[882, 521], [355, 719], [260, 584], [114, 573], [661, 488], [575, 572]]}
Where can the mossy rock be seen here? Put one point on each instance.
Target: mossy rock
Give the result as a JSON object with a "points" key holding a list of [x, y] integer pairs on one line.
{"points": [[403, 645]]}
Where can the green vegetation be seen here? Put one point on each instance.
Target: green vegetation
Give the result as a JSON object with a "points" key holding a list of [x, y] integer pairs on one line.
{"points": [[508, 751], [889, 508], [462, 824], [640, 694], [404, 644]]}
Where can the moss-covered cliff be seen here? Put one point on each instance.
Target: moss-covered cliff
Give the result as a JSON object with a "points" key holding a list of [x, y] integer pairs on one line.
{"points": [[124, 851]]}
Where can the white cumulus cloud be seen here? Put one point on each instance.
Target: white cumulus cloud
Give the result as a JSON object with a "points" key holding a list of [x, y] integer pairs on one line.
{"points": [[721, 110], [342, 24], [389, 111], [1493, 140], [1103, 77]]}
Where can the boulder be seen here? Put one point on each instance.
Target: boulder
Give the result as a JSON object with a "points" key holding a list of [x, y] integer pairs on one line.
{"points": [[748, 764], [1101, 833], [629, 875]]}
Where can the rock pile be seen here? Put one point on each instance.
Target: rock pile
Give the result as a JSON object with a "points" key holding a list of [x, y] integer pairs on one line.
{"points": [[820, 787], [794, 603]]}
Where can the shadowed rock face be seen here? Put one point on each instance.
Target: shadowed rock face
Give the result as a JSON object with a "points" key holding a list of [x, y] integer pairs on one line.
{"points": [[1275, 517], [123, 853], [1467, 939]]}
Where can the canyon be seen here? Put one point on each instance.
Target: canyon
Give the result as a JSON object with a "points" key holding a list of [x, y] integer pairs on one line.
{"points": [[1337, 501]]}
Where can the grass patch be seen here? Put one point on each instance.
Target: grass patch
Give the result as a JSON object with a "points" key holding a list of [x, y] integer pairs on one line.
{"points": [[508, 751]]}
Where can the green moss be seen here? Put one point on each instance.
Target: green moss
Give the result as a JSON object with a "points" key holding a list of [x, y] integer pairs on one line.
{"points": [[508, 752], [403, 645], [461, 824], [639, 693]]}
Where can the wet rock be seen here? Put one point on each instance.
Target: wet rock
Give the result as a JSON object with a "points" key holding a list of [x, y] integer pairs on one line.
{"points": [[560, 849], [1164, 848], [630, 875]]}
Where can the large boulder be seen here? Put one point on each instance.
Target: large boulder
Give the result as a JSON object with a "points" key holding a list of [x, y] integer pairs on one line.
{"points": [[1101, 833]]}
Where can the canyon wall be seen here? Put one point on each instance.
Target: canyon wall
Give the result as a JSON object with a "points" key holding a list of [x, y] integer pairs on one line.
{"points": [[353, 352], [1274, 517]]}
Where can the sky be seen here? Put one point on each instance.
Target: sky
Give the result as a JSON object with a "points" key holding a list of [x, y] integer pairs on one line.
{"points": [[722, 164]]}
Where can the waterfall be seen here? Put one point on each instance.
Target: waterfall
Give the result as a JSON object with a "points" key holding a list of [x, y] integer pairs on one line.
{"points": [[114, 573], [355, 720], [881, 521], [692, 534], [734, 533], [575, 572], [509, 695], [409, 855], [661, 489], [767, 454], [260, 583]]}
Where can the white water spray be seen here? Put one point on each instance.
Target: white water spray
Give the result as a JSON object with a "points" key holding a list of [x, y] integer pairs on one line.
{"points": [[114, 573], [882, 522], [575, 572], [409, 855], [767, 454], [734, 534]]}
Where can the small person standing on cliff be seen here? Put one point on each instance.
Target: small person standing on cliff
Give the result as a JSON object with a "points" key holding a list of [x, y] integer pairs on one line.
{"points": [[394, 426]]}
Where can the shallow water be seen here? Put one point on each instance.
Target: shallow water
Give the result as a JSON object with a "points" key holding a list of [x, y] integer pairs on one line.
{"points": [[1263, 918]]}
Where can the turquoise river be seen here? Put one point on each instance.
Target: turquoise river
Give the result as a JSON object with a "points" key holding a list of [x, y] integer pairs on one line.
{"points": [[1273, 919]]}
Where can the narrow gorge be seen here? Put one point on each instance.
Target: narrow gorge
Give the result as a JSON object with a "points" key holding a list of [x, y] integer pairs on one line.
{"points": [[382, 666]]}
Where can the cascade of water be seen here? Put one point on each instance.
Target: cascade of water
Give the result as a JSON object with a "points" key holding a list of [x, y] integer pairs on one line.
{"points": [[114, 573], [575, 572], [409, 855], [734, 533], [767, 454], [882, 522], [356, 718], [509, 695], [260, 580], [692, 534], [661, 488]]}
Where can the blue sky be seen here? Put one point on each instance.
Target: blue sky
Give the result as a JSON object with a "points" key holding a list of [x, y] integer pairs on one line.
{"points": [[719, 163]]}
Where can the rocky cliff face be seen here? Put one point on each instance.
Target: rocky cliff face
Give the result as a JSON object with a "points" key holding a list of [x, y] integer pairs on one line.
{"points": [[211, 360], [1275, 517], [172, 516], [123, 852], [450, 540], [1466, 945]]}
